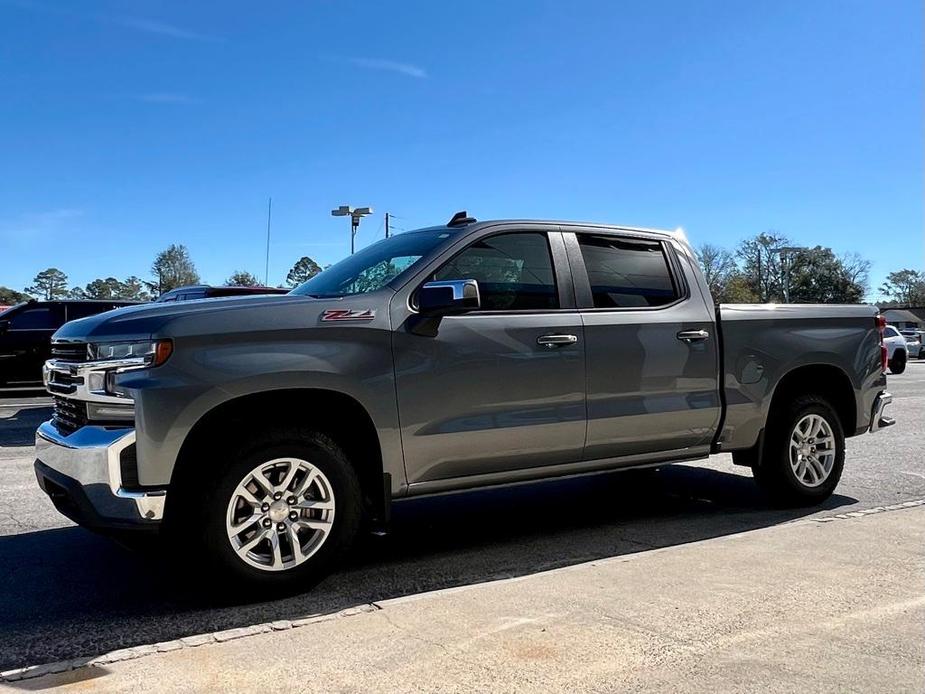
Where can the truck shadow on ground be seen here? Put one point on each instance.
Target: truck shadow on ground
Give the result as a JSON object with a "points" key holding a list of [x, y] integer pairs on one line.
{"points": [[19, 425], [68, 593]]}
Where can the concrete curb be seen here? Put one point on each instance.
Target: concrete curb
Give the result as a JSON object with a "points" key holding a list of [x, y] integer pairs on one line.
{"points": [[33, 671]]}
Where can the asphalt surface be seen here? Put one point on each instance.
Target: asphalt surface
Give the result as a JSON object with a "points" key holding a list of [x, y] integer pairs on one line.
{"points": [[68, 593]]}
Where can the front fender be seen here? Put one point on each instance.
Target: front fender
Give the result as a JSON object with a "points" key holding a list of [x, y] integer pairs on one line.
{"points": [[171, 399]]}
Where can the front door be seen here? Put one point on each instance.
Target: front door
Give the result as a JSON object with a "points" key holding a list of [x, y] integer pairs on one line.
{"points": [[27, 341], [501, 388]]}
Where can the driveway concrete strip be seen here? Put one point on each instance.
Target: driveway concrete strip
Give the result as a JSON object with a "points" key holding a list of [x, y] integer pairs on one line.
{"points": [[805, 606]]}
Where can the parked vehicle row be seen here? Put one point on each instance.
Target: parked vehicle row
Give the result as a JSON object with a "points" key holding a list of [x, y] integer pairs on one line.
{"points": [[26, 329], [258, 434], [900, 348]]}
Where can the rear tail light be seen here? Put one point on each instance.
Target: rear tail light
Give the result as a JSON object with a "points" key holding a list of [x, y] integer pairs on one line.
{"points": [[881, 324]]}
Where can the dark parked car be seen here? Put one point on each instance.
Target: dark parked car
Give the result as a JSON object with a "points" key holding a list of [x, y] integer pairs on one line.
{"points": [[26, 330], [204, 291]]}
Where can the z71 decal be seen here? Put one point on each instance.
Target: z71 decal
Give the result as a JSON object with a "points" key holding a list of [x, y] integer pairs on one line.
{"points": [[348, 314]]}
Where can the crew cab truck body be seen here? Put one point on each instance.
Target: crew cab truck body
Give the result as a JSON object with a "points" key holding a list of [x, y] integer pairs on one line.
{"points": [[258, 431]]}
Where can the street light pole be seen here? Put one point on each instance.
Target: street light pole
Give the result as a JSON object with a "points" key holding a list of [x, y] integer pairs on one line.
{"points": [[355, 214]]}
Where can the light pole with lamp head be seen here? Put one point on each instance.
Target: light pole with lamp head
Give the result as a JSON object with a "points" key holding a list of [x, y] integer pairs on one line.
{"points": [[355, 214]]}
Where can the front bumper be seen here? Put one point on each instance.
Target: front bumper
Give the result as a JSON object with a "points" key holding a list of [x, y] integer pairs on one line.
{"points": [[877, 419], [82, 475]]}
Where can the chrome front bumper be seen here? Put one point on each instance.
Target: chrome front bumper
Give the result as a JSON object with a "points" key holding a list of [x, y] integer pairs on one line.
{"points": [[83, 476], [877, 419]]}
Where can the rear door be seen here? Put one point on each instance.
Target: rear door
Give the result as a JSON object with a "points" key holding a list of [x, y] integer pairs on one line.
{"points": [[502, 388], [652, 355]]}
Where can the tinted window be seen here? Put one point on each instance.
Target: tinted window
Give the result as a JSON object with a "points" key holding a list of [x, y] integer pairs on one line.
{"points": [[75, 311], [514, 272], [627, 272], [890, 332], [39, 318]]}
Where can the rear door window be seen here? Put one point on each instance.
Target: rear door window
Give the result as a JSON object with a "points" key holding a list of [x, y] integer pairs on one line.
{"points": [[627, 273]]}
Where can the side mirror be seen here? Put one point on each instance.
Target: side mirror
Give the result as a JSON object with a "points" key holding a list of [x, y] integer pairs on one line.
{"points": [[4, 326], [448, 297]]}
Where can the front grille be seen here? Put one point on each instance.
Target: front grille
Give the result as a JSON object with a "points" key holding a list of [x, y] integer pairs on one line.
{"points": [[69, 351], [69, 415]]}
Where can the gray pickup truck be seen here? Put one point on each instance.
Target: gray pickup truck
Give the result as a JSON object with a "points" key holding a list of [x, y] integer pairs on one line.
{"points": [[261, 433]]}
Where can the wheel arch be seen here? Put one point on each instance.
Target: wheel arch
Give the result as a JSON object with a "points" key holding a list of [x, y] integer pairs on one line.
{"points": [[827, 381], [335, 413]]}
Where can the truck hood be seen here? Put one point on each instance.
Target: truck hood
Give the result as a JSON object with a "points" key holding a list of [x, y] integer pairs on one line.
{"points": [[216, 316]]}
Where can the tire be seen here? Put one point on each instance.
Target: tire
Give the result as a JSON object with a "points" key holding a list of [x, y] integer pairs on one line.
{"points": [[789, 477], [898, 362], [329, 511]]}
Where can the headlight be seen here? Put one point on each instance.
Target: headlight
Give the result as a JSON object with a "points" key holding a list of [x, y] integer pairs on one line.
{"points": [[148, 352]]}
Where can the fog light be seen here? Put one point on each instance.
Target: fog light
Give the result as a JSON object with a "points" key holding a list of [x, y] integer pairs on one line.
{"points": [[102, 411]]}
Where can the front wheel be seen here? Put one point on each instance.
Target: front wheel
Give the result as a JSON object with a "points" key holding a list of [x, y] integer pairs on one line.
{"points": [[280, 515], [898, 362], [804, 453]]}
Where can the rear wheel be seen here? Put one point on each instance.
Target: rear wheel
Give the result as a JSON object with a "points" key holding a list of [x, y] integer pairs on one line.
{"points": [[279, 517], [804, 453], [898, 362]]}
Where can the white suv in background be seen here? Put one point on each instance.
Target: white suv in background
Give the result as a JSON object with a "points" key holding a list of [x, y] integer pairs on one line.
{"points": [[896, 349], [914, 340]]}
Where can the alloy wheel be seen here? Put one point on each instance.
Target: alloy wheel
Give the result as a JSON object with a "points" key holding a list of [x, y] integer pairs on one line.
{"points": [[812, 450], [280, 514]]}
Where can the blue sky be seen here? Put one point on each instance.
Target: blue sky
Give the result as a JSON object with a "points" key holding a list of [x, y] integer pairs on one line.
{"points": [[127, 126]]}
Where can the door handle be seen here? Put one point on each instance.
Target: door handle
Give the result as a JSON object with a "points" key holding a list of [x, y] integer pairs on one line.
{"points": [[553, 341], [689, 336]]}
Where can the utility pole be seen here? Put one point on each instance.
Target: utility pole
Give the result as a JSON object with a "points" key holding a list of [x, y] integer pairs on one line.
{"points": [[266, 268], [387, 225]]}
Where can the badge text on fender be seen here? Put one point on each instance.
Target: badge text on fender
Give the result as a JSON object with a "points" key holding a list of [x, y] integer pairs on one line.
{"points": [[334, 314]]}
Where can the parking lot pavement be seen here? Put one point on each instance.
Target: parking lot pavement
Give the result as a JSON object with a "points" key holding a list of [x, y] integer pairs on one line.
{"points": [[69, 594], [791, 608]]}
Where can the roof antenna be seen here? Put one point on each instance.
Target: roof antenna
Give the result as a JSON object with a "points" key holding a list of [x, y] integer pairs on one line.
{"points": [[461, 219]]}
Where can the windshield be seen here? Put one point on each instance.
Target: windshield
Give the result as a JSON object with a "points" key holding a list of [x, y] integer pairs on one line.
{"points": [[9, 309], [375, 266]]}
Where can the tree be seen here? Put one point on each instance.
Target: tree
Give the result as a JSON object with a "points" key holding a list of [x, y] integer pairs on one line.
{"points": [[133, 289], [304, 269], [905, 287], [8, 296], [857, 269], [737, 291], [817, 276], [172, 268], [109, 288], [719, 267], [49, 284], [761, 264], [242, 278]]}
